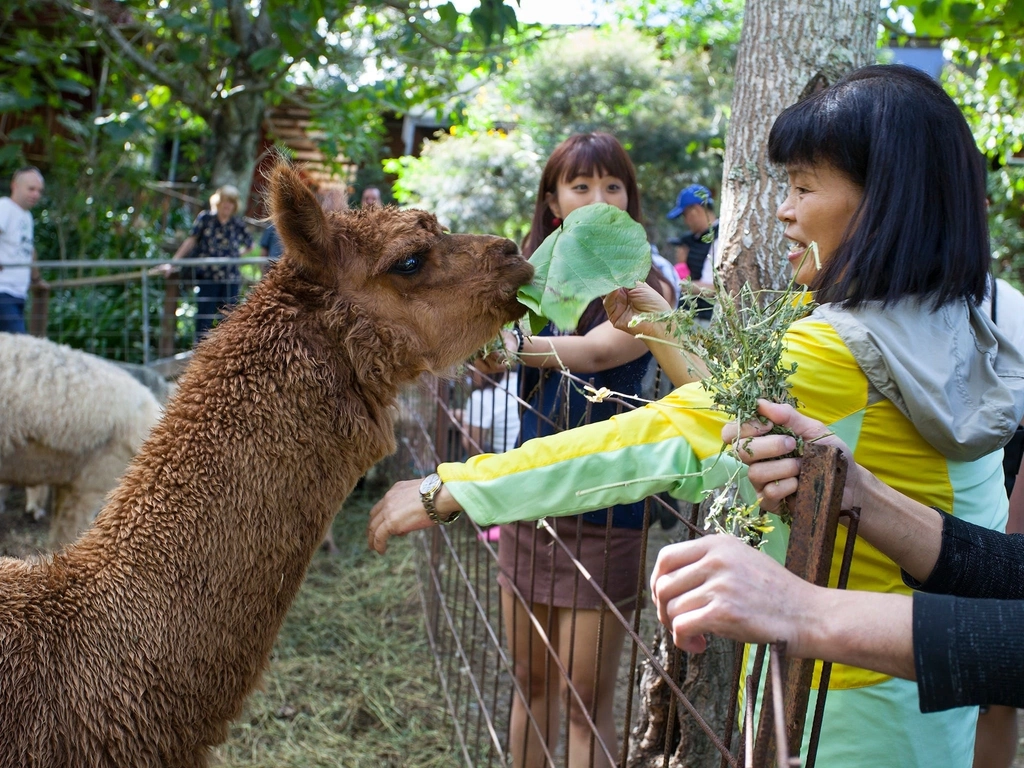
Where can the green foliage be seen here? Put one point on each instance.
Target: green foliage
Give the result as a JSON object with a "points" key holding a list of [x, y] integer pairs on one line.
{"points": [[667, 104], [215, 65], [742, 347], [691, 26], [1006, 223], [983, 41], [669, 113], [95, 100], [597, 249], [477, 183]]}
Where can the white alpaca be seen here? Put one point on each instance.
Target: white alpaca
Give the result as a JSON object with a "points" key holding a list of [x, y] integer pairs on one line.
{"points": [[70, 420]]}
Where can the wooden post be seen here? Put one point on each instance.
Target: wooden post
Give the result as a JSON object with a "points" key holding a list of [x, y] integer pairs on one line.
{"points": [[39, 310]]}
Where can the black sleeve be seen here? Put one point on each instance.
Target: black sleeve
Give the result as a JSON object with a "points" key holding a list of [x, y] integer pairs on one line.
{"points": [[968, 651], [975, 562]]}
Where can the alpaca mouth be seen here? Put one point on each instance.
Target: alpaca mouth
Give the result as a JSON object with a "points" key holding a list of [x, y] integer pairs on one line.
{"points": [[522, 274]]}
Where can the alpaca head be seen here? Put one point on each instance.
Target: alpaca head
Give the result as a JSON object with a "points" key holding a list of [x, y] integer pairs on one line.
{"points": [[430, 297]]}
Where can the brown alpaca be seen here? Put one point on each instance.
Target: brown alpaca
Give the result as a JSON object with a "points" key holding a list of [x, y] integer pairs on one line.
{"points": [[138, 644]]}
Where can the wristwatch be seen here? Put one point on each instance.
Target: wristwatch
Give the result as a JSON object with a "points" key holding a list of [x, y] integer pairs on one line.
{"points": [[428, 490], [520, 339]]}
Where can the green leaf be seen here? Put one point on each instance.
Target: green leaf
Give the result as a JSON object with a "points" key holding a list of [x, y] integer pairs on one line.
{"points": [[597, 249], [9, 153], [70, 86], [961, 13], [449, 16], [24, 133], [158, 96], [265, 58], [188, 54], [228, 47], [1013, 12]]}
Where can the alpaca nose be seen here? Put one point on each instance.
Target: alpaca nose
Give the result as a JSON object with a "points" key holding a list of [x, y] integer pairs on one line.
{"points": [[509, 248]]}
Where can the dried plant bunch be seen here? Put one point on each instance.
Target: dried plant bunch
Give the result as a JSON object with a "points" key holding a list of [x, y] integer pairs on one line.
{"points": [[742, 349]]}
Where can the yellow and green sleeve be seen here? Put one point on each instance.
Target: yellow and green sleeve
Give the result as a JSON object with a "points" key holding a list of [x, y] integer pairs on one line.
{"points": [[673, 445]]}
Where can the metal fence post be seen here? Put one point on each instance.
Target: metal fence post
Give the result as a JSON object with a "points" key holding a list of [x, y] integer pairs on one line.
{"points": [[145, 317]]}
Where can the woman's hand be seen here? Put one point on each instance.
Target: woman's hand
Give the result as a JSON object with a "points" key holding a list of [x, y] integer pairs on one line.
{"points": [[622, 305], [776, 479], [401, 511], [720, 585], [398, 513], [164, 270], [498, 361]]}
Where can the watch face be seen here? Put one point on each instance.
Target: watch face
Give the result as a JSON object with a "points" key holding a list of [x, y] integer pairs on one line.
{"points": [[430, 483]]}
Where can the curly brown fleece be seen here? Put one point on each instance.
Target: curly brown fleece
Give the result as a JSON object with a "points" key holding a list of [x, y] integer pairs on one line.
{"points": [[138, 644]]}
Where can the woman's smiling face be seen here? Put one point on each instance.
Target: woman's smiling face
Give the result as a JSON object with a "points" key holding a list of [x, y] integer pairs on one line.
{"points": [[820, 205], [571, 194]]}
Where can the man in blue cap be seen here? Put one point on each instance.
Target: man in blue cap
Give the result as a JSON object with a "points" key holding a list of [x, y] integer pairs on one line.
{"points": [[695, 205]]}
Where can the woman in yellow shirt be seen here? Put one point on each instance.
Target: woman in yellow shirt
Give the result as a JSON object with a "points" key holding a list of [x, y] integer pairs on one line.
{"points": [[897, 360]]}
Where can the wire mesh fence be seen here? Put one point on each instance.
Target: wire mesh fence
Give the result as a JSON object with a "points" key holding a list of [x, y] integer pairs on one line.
{"points": [[500, 652]]}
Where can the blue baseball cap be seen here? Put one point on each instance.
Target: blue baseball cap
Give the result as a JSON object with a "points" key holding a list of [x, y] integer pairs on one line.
{"points": [[695, 194]]}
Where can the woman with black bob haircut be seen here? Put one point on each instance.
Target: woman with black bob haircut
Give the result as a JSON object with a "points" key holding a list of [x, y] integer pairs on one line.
{"points": [[920, 228], [885, 216]]}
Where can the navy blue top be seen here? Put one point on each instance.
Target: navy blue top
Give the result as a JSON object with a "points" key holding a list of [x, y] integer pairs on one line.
{"points": [[272, 243], [546, 390]]}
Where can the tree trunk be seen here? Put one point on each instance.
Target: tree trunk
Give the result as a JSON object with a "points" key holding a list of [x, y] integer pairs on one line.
{"points": [[235, 133], [788, 50], [704, 678], [700, 677]]}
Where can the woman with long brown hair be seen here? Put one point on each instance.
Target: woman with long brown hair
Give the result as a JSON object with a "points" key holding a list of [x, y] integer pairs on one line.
{"points": [[584, 169]]}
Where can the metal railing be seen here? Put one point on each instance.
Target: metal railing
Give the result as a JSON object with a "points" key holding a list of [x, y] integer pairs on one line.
{"points": [[458, 568], [124, 310]]}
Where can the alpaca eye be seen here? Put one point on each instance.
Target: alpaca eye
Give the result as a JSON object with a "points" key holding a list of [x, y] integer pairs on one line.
{"points": [[408, 266]]}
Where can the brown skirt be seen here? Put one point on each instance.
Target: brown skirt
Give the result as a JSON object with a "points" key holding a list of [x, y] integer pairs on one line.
{"points": [[516, 555]]}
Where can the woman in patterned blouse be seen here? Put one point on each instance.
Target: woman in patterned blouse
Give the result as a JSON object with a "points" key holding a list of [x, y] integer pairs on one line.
{"points": [[217, 233]]}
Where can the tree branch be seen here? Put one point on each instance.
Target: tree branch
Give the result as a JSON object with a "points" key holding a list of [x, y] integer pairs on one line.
{"points": [[241, 24], [110, 30]]}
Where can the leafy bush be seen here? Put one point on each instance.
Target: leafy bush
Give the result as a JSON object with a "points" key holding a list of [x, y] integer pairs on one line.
{"points": [[668, 110], [1006, 223], [473, 182]]}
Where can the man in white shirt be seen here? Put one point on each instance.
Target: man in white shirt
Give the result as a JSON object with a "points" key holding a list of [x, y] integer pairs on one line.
{"points": [[16, 247]]}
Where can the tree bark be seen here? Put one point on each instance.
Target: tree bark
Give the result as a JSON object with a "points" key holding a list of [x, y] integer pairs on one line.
{"points": [[700, 677], [235, 133], [788, 50]]}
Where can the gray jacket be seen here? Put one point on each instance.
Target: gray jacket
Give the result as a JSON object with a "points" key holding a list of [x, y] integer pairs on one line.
{"points": [[949, 370]]}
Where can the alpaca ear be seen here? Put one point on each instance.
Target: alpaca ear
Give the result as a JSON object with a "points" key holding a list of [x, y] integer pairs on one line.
{"points": [[300, 221]]}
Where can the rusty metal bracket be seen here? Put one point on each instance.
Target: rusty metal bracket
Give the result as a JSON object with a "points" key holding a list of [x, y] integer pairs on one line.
{"points": [[815, 508]]}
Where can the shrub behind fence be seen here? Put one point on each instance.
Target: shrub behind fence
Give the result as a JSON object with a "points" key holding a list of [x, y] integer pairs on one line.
{"points": [[119, 310]]}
